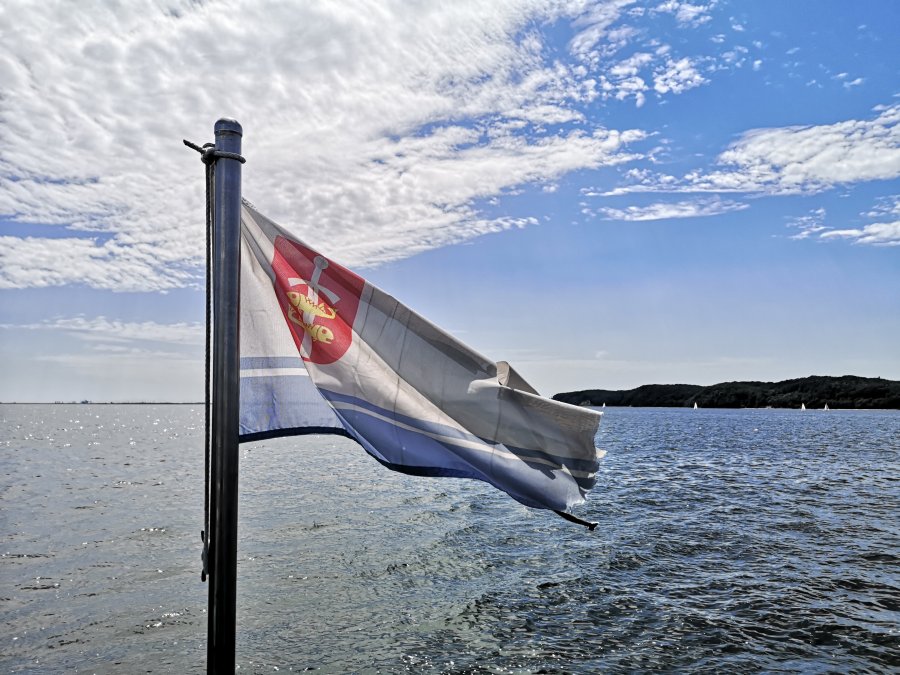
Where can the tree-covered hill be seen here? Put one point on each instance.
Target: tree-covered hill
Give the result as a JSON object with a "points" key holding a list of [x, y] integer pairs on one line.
{"points": [[816, 391]]}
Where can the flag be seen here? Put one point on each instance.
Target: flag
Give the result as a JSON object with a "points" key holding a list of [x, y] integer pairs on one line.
{"points": [[324, 351]]}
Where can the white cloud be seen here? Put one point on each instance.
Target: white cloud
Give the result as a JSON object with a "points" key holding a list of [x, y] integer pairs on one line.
{"points": [[809, 225], [631, 66], [809, 158], [677, 77], [101, 329], [693, 14], [885, 233], [600, 40], [792, 160], [736, 57], [877, 234], [124, 263], [885, 206], [669, 210], [627, 78], [685, 12], [115, 357], [596, 37], [787, 160]]}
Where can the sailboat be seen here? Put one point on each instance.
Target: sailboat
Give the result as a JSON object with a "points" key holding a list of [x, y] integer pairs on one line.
{"points": [[802, 406], [604, 405], [826, 407], [695, 405]]}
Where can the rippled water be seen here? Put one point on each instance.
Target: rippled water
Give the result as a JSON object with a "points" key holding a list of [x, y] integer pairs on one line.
{"points": [[729, 541]]}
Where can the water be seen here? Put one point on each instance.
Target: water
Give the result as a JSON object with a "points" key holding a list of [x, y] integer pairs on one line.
{"points": [[729, 541]]}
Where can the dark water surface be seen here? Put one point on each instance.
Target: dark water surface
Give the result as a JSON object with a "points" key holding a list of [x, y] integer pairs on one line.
{"points": [[729, 541]]}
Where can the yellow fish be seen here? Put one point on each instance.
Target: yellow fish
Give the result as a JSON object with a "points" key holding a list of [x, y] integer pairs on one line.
{"points": [[319, 333], [316, 332], [303, 304]]}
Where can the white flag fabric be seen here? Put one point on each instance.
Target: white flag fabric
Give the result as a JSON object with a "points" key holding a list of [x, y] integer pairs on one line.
{"points": [[323, 351]]}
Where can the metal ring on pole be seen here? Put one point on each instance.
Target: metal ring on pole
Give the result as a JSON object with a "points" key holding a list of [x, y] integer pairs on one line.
{"points": [[209, 154]]}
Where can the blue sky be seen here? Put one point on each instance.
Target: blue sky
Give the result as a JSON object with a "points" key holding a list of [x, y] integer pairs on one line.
{"points": [[605, 194]]}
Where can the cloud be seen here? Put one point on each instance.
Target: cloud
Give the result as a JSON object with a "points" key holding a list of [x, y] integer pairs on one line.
{"points": [[876, 234], [140, 361], [809, 225], [596, 37], [600, 39], [792, 160], [885, 206], [735, 57], [884, 233], [101, 329], [685, 12], [677, 77], [123, 263], [809, 158], [670, 210], [628, 77]]}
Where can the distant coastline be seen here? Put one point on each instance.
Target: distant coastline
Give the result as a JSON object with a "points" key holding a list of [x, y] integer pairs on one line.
{"points": [[817, 391]]}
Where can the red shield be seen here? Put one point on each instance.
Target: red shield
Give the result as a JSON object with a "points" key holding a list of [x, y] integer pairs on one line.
{"points": [[319, 299]]}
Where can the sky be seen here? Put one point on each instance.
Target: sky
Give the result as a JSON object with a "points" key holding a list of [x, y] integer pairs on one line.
{"points": [[604, 194]]}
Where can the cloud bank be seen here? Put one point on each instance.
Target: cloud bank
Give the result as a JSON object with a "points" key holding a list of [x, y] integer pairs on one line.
{"points": [[370, 129]]}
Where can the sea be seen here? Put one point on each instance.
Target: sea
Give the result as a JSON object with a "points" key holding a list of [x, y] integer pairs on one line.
{"points": [[729, 541]]}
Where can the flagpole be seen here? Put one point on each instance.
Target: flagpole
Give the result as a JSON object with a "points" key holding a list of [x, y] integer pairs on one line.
{"points": [[225, 272]]}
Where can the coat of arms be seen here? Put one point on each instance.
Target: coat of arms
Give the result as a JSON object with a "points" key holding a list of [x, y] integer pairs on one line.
{"points": [[319, 298]]}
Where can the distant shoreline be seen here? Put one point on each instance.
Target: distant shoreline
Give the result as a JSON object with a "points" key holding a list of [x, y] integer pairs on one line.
{"points": [[580, 404], [847, 392]]}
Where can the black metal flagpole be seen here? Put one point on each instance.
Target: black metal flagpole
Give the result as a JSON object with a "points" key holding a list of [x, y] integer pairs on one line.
{"points": [[223, 525]]}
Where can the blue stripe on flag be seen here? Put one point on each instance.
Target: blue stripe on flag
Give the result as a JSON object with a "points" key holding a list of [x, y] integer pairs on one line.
{"points": [[451, 434], [449, 459], [283, 405], [263, 362]]}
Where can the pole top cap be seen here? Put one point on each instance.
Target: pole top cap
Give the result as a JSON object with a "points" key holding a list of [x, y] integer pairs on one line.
{"points": [[228, 125]]}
